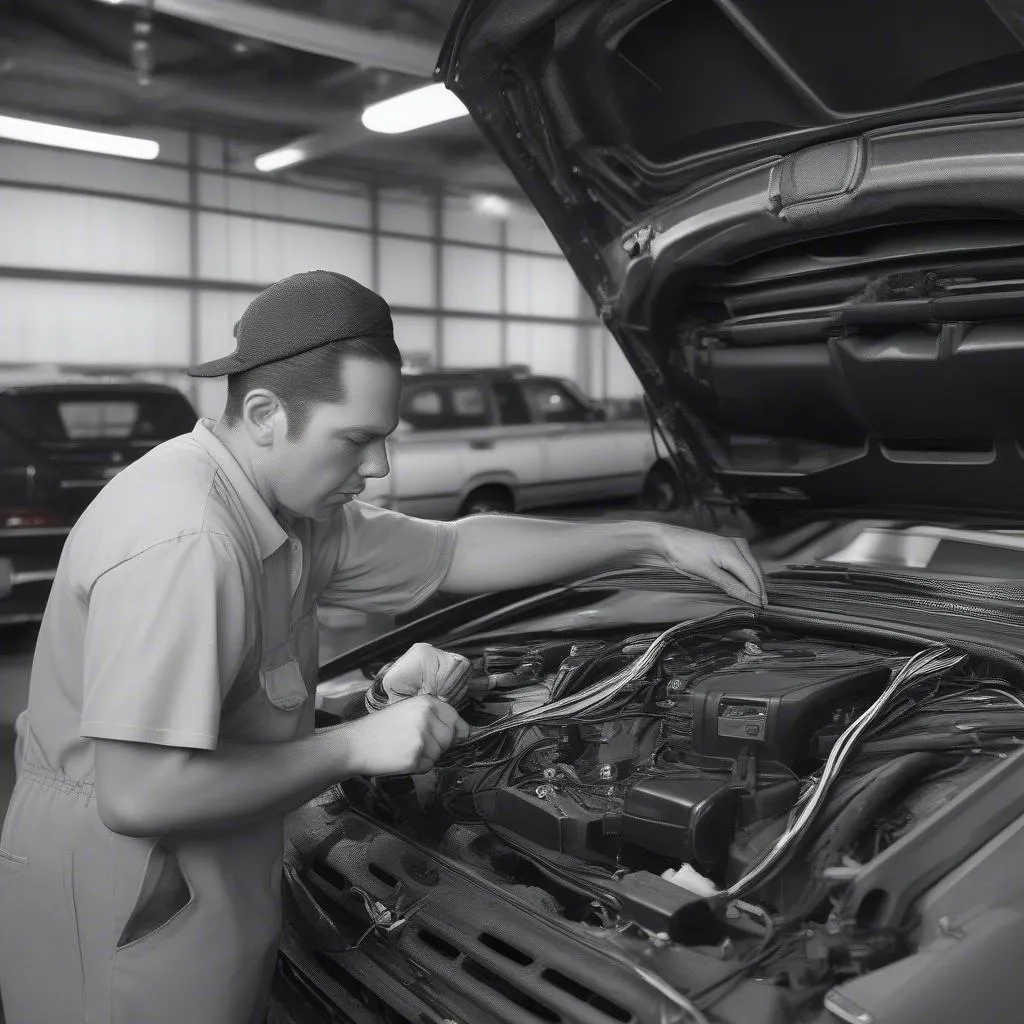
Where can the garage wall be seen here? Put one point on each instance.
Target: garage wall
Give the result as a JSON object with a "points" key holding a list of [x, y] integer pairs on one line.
{"points": [[146, 266]]}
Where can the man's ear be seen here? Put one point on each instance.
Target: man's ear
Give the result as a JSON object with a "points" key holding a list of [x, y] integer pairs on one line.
{"points": [[263, 416]]}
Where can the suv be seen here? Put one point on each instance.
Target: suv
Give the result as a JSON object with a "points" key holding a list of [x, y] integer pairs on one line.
{"points": [[505, 440], [61, 440]]}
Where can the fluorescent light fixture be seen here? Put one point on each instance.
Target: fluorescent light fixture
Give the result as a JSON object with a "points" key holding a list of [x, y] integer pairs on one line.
{"points": [[44, 134], [431, 104], [492, 206], [278, 158]]}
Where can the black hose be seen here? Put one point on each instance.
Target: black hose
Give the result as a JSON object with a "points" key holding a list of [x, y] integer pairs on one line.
{"points": [[853, 819], [858, 813]]}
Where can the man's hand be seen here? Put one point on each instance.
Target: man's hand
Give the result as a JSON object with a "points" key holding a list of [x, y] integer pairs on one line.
{"points": [[406, 738], [426, 670], [724, 561]]}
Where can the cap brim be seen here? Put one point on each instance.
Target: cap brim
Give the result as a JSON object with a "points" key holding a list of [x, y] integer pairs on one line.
{"points": [[220, 367]]}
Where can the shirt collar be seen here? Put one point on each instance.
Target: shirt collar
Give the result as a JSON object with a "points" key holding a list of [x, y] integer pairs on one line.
{"points": [[269, 533]]}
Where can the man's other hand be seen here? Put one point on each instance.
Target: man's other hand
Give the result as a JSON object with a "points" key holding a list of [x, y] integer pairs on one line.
{"points": [[404, 739], [725, 561], [425, 670]]}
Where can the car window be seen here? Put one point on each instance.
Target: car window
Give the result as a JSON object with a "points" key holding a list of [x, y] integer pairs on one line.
{"points": [[423, 409], [97, 419], [552, 403], [469, 406], [512, 407], [82, 417]]}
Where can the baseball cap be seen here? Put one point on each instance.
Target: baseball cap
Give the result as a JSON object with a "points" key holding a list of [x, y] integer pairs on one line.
{"points": [[300, 313]]}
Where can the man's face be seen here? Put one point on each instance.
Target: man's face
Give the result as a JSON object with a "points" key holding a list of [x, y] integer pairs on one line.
{"points": [[342, 445]]}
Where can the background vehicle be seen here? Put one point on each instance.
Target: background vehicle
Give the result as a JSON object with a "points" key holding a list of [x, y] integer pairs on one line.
{"points": [[507, 440], [61, 440]]}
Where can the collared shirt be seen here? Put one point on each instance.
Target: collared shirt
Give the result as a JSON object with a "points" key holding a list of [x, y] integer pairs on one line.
{"points": [[183, 610]]}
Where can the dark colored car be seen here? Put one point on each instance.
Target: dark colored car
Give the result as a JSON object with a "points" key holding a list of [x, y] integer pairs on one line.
{"points": [[61, 440], [804, 225]]}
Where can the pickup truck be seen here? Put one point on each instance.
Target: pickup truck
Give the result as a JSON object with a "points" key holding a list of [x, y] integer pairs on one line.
{"points": [[506, 440]]}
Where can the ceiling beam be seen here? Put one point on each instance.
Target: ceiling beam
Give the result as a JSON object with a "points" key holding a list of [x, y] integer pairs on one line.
{"points": [[363, 46]]}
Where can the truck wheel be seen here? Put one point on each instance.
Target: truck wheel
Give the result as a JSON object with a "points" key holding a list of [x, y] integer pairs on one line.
{"points": [[487, 499], [662, 489]]}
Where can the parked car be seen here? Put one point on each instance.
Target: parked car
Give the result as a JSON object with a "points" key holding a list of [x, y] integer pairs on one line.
{"points": [[508, 440], [61, 439], [803, 224]]}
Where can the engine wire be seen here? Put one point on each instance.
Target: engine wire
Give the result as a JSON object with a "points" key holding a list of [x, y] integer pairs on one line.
{"points": [[924, 663]]}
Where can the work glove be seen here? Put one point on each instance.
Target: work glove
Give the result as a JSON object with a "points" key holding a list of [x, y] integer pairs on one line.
{"points": [[425, 670]]}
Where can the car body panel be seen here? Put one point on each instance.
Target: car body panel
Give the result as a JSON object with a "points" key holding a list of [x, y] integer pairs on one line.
{"points": [[536, 464]]}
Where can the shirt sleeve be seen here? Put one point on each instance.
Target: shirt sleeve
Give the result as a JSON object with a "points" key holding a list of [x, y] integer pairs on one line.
{"points": [[166, 635], [386, 561]]}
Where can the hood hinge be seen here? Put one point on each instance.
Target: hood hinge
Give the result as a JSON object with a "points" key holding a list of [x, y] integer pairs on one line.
{"points": [[639, 243]]}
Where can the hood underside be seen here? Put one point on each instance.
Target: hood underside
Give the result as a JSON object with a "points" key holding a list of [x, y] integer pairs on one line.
{"points": [[801, 223]]}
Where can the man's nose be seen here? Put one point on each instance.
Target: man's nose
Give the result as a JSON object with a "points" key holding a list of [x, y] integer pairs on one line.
{"points": [[376, 462]]}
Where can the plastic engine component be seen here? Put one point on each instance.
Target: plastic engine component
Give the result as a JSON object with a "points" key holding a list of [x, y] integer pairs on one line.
{"points": [[774, 713], [685, 819], [540, 822]]}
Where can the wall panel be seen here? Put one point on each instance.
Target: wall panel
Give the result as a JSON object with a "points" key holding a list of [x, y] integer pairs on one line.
{"points": [[62, 322], [78, 232], [69, 169], [407, 272], [546, 348], [406, 212], [539, 286], [472, 279], [471, 342]]}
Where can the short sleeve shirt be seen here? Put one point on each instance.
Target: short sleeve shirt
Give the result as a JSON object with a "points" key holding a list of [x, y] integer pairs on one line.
{"points": [[183, 612]]}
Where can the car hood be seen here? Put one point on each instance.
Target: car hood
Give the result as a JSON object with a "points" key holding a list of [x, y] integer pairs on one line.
{"points": [[801, 225]]}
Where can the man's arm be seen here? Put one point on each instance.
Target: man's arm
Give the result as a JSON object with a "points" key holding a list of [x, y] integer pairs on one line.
{"points": [[504, 552], [148, 790]]}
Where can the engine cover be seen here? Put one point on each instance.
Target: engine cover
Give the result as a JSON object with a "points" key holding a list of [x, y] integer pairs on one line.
{"points": [[775, 714]]}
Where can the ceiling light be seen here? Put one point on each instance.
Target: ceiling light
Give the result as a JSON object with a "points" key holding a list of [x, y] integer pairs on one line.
{"points": [[492, 206], [77, 138], [410, 110], [278, 158]]}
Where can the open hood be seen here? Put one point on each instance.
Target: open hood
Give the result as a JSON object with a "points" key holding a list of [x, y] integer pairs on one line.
{"points": [[802, 223]]}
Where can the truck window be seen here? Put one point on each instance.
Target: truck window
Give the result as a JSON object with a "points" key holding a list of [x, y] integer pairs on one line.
{"points": [[512, 407], [423, 409], [469, 406], [551, 403]]}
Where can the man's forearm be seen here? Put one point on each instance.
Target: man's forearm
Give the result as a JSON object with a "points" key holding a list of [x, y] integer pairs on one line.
{"points": [[178, 791], [504, 552]]}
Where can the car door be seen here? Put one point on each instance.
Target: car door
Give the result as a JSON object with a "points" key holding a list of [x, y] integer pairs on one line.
{"points": [[426, 473], [587, 458]]}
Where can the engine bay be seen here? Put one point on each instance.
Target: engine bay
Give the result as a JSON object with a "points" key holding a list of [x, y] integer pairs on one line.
{"points": [[701, 803]]}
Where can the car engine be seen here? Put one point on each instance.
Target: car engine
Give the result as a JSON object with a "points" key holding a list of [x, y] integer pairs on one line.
{"points": [[713, 809]]}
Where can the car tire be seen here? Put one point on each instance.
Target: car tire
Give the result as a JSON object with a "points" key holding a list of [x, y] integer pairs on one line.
{"points": [[662, 490], [487, 499]]}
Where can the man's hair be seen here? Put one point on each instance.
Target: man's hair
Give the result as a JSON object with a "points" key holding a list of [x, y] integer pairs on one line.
{"points": [[305, 380]]}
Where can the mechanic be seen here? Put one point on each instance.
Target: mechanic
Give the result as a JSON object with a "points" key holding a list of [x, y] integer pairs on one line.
{"points": [[170, 724]]}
